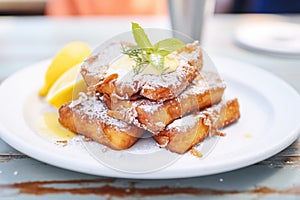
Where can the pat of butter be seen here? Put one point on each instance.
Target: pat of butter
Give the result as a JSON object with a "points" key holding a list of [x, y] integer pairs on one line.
{"points": [[171, 63], [123, 62]]}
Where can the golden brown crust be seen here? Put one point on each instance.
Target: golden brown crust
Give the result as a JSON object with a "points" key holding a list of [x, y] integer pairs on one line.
{"points": [[181, 108], [181, 135], [206, 90], [154, 87], [89, 119]]}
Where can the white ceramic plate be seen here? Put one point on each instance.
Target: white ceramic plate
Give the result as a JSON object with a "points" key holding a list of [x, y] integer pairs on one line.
{"points": [[269, 123], [280, 38]]}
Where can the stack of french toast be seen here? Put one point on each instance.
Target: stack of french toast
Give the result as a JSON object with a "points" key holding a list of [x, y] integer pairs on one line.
{"points": [[179, 108]]}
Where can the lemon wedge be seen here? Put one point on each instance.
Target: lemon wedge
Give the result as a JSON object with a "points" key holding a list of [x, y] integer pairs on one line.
{"points": [[66, 87], [70, 55]]}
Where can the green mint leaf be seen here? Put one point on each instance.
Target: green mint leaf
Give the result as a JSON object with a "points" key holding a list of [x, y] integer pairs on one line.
{"points": [[146, 54], [166, 46], [141, 37]]}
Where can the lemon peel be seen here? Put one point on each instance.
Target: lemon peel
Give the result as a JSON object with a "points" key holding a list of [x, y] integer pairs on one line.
{"points": [[66, 88], [70, 55]]}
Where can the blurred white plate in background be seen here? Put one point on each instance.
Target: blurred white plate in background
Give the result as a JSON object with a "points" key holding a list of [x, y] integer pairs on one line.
{"points": [[281, 38]]}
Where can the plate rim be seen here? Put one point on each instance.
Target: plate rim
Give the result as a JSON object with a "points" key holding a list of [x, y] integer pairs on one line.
{"points": [[292, 136]]}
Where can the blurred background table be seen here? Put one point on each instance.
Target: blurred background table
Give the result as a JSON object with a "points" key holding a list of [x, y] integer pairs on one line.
{"points": [[26, 40]]}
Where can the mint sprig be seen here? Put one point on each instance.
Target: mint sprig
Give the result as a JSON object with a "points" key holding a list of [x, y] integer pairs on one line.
{"points": [[145, 53], [141, 37]]}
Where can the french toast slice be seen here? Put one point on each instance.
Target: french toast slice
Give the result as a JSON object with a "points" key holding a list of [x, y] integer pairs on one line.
{"points": [[88, 116], [127, 85], [205, 90], [184, 133]]}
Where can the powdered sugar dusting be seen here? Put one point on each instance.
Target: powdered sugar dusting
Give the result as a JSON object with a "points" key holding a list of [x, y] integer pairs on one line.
{"points": [[150, 107], [206, 80], [96, 69], [97, 64], [93, 109], [183, 124], [210, 116], [145, 113]]}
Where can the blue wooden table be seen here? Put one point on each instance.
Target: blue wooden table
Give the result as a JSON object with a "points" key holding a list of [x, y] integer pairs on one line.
{"points": [[26, 40]]}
